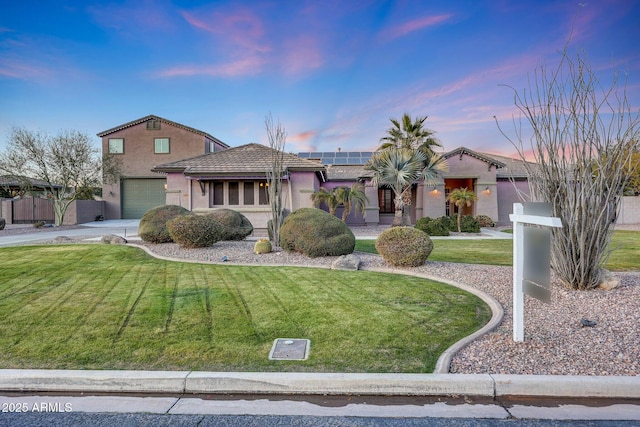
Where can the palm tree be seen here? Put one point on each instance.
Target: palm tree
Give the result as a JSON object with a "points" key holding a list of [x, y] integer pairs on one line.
{"points": [[462, 197], [327, 197], [412, 135], [353, 197], [398, 168]]}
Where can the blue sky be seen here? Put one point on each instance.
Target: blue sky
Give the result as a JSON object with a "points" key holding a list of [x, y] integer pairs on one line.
{"points": [[333, 72]]}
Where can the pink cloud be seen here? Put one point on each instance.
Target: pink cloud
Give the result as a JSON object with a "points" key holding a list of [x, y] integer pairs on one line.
{"points": [[240, 28], [302, 141], [415, 25], [303, 136], [242, 67], [18, 70], [139, 17], [301, 54]]}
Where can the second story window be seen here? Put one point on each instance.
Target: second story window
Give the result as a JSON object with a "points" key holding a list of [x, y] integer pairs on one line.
{"points": [[116, 145], [161, 145]]}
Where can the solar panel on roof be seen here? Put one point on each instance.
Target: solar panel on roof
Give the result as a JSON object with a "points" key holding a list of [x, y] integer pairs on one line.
{"points": [[338, 157]]}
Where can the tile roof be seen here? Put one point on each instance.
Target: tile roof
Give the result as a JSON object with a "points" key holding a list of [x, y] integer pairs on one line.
{"points": [[513, 168], [154, 117], [17, 181], [249, 159], [346, 172]]}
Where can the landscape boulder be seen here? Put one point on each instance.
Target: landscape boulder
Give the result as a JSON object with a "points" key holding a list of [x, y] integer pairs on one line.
{"points": [[608, 281], [63, 239], [112, 239], [346, 262]]}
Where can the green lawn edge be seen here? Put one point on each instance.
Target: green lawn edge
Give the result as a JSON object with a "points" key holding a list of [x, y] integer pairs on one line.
{"points": [[115, 307], [625, 247]]}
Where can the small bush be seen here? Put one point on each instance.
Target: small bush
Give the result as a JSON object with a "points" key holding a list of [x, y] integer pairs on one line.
{"points": [[195, 231], [153, 225], [485, 221], [236, 226], [404, 246], [38, 224], [316, 233], [433, 227], [2, 223], [468, 224]]}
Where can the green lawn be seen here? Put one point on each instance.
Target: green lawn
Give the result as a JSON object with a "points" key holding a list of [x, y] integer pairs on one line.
{"points": [[500, 252], [115, 307]]}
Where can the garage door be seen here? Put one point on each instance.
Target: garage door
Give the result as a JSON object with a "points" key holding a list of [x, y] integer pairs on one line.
{"points": [[139, 195]]}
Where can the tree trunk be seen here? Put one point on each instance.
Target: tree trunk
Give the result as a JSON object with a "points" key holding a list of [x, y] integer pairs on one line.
{"points": [[459, 220], [406, 207], [397, 217]]}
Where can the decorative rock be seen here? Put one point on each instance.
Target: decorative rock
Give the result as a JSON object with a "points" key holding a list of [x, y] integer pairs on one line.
{"points": [[63, 239], [346, 262], [588, 323], [608, 281], [114, 239]]}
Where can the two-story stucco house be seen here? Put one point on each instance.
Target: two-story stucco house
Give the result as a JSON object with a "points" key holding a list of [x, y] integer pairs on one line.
{"points": [[140, 145]]}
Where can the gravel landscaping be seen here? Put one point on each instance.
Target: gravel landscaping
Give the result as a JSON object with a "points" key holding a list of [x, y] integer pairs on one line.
{"points": [[555, 343]]}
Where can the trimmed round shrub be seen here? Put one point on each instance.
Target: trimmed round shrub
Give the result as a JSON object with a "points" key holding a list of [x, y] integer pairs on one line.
{"points": [[236, 226], [195, 231], [153, 225], [485, 221], [468, 224], [316, 233], [404, 246], [433, 227]]}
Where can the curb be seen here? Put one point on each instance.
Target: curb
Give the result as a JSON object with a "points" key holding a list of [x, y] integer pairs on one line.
{"points": [[270, 383]]}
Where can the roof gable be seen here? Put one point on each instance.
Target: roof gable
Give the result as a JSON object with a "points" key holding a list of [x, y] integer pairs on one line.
{"points": [[162, 120], [462, 151]]}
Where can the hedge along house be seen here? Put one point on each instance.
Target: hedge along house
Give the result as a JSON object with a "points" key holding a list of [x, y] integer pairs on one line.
{"points": [[235, 178], [139, 145]]}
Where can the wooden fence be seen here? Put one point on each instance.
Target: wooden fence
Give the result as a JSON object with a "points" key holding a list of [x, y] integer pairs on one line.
{"points": [[32, 209]]}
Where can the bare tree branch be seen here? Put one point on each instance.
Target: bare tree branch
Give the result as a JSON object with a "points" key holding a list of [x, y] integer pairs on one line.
{"points": [[582, 137]]}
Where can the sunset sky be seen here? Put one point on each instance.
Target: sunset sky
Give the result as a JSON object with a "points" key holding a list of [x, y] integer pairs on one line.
{"points": [[333, 72]]}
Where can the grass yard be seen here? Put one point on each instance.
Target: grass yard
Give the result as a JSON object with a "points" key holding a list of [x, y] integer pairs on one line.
{"points": [[626, 245], [494, 252], [115, 307]]}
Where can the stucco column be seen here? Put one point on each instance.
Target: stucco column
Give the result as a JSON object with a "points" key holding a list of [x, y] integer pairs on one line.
{"points": [[487, 203], [433, 201]]}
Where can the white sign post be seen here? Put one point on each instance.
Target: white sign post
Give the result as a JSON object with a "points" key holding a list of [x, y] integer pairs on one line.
{"points": [[519, 219]]}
